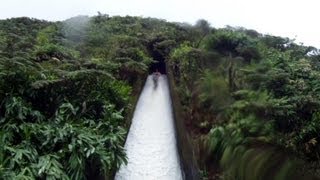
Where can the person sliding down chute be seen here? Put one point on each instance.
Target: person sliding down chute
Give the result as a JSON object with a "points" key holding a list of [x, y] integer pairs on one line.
{"points": [[155, 77]]}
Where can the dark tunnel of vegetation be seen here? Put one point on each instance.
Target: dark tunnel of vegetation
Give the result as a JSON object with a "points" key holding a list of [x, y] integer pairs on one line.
{"points": [[159, 65]]}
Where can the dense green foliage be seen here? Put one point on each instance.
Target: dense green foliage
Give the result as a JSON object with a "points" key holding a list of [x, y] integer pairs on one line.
{"points": [[251, 101], [251, 98]]}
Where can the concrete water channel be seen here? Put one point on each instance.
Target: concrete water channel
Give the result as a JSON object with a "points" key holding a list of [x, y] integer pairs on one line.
{"points": [[151, 145]]}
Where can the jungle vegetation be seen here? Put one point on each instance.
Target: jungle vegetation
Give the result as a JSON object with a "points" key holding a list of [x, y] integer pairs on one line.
{"points": [[250, 101]]}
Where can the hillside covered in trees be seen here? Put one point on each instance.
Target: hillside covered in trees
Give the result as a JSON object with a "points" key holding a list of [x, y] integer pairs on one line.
{"points": [[250, 101]]}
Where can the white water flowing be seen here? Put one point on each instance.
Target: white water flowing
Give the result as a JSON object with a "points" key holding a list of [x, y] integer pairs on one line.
{"points": [[151, 145]]}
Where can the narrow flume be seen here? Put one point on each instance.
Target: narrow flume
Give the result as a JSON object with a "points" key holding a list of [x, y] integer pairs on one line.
{"points": [[151, 144]]}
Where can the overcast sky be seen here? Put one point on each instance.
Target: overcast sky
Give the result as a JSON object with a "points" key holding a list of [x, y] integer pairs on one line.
{"points": [[297, 19]]}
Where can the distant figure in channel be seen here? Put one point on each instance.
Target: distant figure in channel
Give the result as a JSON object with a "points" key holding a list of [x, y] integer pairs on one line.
{"points": [[155, 78]]}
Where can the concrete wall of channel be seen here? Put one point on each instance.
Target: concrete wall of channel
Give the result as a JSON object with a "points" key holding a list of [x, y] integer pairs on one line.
{"points": [[185, 147]]}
